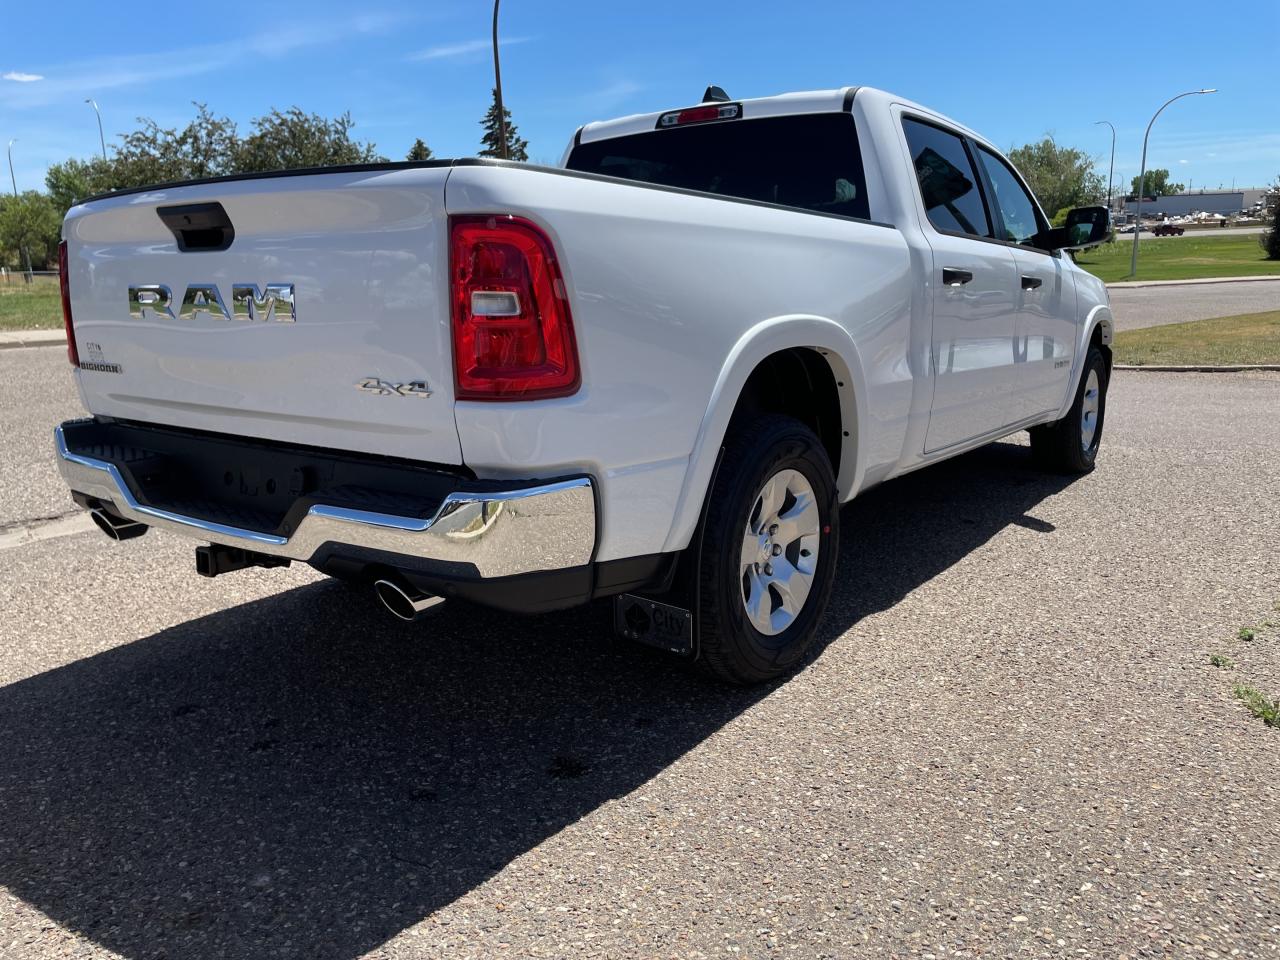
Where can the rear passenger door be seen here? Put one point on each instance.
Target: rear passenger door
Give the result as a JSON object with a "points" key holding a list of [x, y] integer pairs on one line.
{"points": [[1045, 329], [972, 285]]}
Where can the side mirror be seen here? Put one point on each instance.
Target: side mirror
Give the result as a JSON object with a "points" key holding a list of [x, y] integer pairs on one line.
{"points": [[1085, 227]]}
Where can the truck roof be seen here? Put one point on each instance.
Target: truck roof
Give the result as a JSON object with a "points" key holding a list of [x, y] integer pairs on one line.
{"points": [[808, 101]]}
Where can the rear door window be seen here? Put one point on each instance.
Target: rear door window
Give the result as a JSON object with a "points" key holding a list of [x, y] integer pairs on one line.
{"points": [[948, 181], [810, 161]]}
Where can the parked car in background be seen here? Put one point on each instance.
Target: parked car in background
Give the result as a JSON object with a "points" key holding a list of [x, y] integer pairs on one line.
{"points": [[1167, 230]]}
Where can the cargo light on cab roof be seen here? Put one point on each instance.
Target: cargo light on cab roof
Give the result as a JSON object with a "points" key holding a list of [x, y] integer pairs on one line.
{"points": [[702, 114]]}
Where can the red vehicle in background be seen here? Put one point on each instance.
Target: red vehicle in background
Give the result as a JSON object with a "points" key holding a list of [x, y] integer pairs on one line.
{"points": [[1167, 230]]}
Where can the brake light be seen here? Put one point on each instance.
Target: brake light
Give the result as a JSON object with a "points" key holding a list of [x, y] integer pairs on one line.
{"points": [[512, 331], [72, 354], [716, 111]]}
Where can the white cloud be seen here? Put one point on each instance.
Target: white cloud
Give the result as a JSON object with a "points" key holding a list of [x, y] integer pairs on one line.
{"points": [[464, 48], [73, 81], [21, 77], [611, 96], [1183, 163]]}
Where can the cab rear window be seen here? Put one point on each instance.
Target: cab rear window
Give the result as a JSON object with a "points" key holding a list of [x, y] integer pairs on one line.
{"points": [[809, 161]]}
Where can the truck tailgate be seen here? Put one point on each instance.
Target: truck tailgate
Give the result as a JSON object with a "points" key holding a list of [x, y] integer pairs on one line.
{"points": [[365, 362]]}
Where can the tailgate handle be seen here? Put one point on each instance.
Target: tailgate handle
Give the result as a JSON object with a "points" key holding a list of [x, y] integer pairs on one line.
{"points": [[198, 226]]}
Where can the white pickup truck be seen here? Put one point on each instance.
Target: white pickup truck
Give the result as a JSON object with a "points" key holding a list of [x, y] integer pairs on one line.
{"points": [[654, 372]]}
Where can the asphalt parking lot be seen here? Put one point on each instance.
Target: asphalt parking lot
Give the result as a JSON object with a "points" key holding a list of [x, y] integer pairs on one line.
{"points": [[1013, 743], [1154, 306]]}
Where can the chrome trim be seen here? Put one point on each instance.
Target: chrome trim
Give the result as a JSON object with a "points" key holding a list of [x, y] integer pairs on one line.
{"points": [[404, 602], [503, 533]]}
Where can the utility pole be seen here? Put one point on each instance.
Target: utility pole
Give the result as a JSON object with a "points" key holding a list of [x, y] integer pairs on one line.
{"points": [[101, 139], [1142, 177], [26, 257], [497, 84], [1112, 169]]}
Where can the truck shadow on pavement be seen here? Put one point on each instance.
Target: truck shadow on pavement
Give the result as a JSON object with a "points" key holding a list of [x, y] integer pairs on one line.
{"points": [[302, 777]]}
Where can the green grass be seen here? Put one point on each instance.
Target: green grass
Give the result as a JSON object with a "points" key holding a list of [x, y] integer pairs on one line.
{"points": [[1262, 707], [1221, 662], [35, 306], [1179, 258], [1249, 338]]}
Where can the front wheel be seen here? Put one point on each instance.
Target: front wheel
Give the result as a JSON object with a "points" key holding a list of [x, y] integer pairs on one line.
{"points": [[768, 551], [1070, 445]]}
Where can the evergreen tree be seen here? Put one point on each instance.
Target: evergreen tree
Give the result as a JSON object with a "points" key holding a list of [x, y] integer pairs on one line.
{"points": [[419, 151], [492, 139]]}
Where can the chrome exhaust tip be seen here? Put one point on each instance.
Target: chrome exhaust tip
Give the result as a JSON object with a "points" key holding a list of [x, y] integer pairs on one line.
{"points": [[403, 600], [117, 528]]}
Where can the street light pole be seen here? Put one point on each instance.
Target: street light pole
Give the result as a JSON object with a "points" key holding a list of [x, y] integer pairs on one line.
{"points": [[101, 139], [12, 179], [26, 257], [1112, 169], [1142, 177], [497, 86]]}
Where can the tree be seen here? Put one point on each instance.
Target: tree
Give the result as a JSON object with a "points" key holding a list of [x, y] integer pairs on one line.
{"points": [[1157, 185], [73, 180], [29, 227], [210, 146], [205, 147], [1059, 176], [1270, 239], [419, 151], [517, 149], [293, 140]]}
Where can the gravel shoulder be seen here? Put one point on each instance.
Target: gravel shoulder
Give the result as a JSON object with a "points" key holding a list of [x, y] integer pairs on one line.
{"points": [[1013, 743]]}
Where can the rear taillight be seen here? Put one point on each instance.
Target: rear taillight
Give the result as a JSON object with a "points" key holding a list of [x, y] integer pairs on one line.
{"points": [[512, 332], [72, 354]]}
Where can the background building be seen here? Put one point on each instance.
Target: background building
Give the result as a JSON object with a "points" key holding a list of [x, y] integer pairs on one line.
{"points": [[1199, 201]]}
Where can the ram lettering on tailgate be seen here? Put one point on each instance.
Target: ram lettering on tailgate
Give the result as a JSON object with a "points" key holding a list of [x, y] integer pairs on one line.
{"points": [[276, 302]]}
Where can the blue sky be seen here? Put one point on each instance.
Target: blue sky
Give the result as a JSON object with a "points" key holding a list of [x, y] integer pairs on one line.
{"points": [[424, 70]]}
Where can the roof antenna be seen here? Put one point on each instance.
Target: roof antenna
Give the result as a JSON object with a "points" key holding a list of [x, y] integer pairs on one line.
{"points": [[715, 94]]}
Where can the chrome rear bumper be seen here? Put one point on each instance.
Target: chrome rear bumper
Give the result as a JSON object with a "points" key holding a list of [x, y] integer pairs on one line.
{"points": [[500, 534]]}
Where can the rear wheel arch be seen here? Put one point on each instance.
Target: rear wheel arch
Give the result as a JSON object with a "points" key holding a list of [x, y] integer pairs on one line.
{"points": [[816, 351], [799, 383]]}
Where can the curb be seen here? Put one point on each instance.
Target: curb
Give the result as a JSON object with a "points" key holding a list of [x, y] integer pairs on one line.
{"points": [[1200, 368], [32, 338], [1138, 284]]}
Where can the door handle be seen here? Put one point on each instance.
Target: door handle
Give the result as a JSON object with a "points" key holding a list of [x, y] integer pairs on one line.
{"points": [[954, 277], [1031, 283]]}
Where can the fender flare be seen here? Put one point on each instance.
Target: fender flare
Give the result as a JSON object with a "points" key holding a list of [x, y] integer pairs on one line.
{"points": [[768, 337], [1099, 317]]}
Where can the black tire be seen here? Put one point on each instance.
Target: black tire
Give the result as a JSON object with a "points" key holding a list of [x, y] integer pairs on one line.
{"points": [[1059, 446], [731, 649]]}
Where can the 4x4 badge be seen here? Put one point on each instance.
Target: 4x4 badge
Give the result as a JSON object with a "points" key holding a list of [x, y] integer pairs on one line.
{"points": [[384, 388]]}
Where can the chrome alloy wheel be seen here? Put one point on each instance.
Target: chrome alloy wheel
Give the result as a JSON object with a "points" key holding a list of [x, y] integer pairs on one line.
{"points": [[780, 552], [1089, 411]]}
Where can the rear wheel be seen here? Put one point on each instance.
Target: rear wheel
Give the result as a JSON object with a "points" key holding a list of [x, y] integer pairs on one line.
{"points": [[1070, 445], [768, 551]]}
